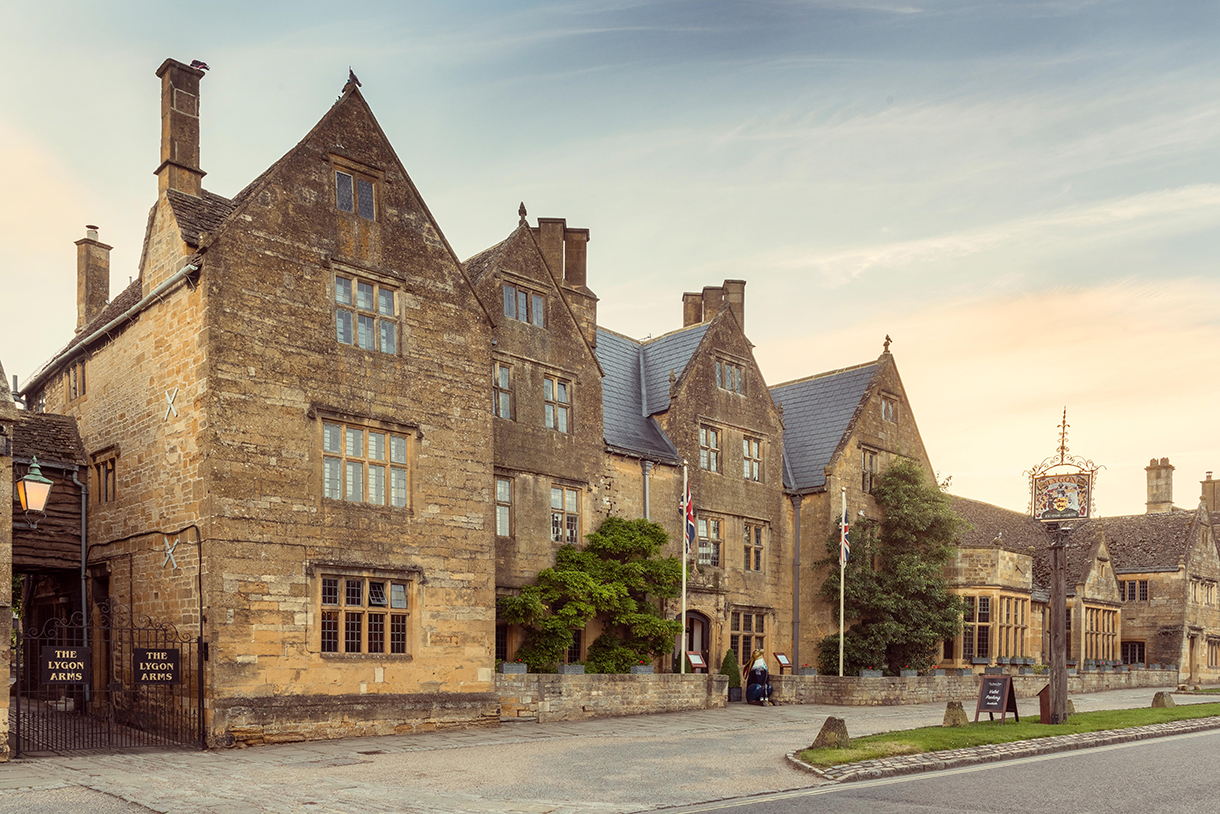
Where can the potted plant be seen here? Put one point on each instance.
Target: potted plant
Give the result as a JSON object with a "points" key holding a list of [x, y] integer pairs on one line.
{"points": [[728, 667], [907, 672], [517, 666], [642, 667], [807, 669]]}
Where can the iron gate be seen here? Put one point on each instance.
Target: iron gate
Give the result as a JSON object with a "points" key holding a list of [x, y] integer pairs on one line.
{"points": [[115, 682]]}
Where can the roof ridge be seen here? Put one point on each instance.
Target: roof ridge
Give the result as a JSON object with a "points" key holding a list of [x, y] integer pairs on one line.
{"points": [[674, 332], [847, 369]]}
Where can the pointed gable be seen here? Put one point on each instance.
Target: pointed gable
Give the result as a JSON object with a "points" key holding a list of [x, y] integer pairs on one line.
{"points": [[818, 414]]}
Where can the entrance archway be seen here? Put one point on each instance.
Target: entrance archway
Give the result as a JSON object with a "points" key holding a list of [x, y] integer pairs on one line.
{"points": [[698, 635]]}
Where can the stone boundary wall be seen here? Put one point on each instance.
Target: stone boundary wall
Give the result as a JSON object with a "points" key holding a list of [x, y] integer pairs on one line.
{"points": [[548, 697], [888, 691]]}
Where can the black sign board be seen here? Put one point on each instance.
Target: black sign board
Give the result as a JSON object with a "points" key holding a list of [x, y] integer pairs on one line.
{"points": [[156, 666], [65, 665], [996, 694]]}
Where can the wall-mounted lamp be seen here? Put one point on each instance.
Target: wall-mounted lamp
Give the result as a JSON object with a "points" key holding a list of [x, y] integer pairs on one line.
{"points": [[34, 490]]}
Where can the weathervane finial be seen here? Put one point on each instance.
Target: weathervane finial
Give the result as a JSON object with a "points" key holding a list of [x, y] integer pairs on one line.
{"points": [[886, 344], [1063, 436], [521, 214]]}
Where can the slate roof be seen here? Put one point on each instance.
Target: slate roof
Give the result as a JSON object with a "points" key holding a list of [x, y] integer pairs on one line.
{"points": [[198, 215], [480, 264], [53, 438], [817, 414], [995, 527], [1141, 542], [670, 352], [624, 424]]}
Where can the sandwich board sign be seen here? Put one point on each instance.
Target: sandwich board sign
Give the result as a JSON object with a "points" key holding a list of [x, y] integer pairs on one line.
{"points": [[996, 694]]}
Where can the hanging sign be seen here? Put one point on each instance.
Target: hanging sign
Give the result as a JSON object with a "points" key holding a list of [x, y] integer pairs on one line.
{"points": [[65, 665], [156, 666], [1062, 497], [996, 694]]}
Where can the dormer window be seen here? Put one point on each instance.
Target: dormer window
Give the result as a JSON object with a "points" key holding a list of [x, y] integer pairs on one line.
{"points": [[355, 194], [524, 306]]}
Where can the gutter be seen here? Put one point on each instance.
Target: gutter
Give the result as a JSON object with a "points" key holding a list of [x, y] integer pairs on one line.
{"points": [[130, 313]]}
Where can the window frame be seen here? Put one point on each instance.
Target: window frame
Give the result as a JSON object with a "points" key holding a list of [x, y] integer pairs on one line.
{"points": [[384, 630], [710, 533], [869, 469], [398, 460], [356, 182], [104, 467], [556, 412], [711, 449], [752, 464], [357, 316], [503, 397], [730, 377], [565, 518], [754, 542], [75, 379], [514, 298], [504, 506], [889, 408]]}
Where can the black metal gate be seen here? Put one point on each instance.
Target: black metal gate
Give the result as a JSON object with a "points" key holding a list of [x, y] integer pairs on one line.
{"points": [[113, 682]]}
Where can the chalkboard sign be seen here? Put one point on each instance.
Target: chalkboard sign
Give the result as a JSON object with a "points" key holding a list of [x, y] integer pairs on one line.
{"points": [[996, 694]]}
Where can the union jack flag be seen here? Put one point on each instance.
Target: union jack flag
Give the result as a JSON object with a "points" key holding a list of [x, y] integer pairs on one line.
{"points": [[688, 513], [844, 544]]}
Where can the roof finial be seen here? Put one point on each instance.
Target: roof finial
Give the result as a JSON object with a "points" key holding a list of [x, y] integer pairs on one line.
{"points": [[1063, 436], [886, 344], [521, 214], [351, 77]]}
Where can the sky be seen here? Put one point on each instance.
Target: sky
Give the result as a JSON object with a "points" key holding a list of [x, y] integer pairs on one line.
{"points": [[1024, 196]]}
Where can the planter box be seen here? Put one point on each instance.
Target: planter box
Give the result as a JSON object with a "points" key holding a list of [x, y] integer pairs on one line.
{"points": [[642, 669], [1154, 666], [1002, 660], [513, 667], [734, 694], [870, 674], [571, 669], [908, 673], [807, 671], [980, 660], [994, 671], [1173, 668], [1071, 671], [1138, 667], [936, 671], [1026, 671]]}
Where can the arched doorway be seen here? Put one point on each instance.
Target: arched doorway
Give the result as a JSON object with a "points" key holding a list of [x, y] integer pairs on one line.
{"points": [[698, 635]]}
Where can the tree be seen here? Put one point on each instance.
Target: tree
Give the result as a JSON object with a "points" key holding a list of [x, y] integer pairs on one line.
{"points": [[895, 587], [617, 576]]}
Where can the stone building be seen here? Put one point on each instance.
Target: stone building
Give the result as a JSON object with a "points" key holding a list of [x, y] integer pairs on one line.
{"points": [[8, 414], [286, 396]]}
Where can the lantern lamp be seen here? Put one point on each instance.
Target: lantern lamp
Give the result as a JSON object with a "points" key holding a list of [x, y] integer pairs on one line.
{"points": [[34, 489]]}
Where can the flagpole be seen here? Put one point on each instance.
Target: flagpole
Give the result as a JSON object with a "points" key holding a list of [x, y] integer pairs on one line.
{"points": [[685, 555], [842, 570]]}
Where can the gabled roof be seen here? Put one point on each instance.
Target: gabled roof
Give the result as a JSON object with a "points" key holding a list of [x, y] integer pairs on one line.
{"points": [[480, 264], [55, 439], [624, 424], [663, 355], [1142, 542], [995, 527], [818, 413]]}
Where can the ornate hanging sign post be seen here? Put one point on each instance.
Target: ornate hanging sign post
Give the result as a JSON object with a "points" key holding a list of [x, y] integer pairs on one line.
{"points": [[1061, 489]]}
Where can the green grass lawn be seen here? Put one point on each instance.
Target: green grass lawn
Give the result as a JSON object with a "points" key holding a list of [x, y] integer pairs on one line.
{"points": [[936, 738]]}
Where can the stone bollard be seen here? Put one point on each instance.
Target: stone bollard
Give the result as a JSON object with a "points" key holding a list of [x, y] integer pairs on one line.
{"points": [[1162, 700], [833, 735], [955, 715]]}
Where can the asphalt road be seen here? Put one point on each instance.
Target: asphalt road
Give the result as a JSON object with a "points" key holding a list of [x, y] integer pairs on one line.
{"points": [[1177, 774]]}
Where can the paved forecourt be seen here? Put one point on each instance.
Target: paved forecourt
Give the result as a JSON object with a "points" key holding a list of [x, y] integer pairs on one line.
{"points": [[605, 765]]}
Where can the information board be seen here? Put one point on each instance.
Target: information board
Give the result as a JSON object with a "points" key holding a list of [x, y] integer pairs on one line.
{"points": [[696, 659], [996, 694]]}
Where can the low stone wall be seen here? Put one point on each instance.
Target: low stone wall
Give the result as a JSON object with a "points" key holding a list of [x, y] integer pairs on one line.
{"points": [[547, 697], [854, 691]]}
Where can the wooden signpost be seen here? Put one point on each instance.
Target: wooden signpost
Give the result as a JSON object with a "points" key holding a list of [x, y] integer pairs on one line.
{"points": [[996, 694], [696, 660], [782, 660]]}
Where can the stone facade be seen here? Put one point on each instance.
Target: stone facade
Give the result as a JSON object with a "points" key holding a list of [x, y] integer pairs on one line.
{"points": [[544, 698], [8, 412]]}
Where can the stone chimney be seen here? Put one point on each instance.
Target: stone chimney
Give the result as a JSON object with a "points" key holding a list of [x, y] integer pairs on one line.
{"points": [[1209, 492], [735, 296], [549, 233], [92, 277], [1160, 486], [575, 255], [713, 301], [692, 308], [179, 167]]}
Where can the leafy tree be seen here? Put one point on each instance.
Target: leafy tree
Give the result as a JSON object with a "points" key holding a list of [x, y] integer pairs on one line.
{"points": [[895, 587], [617, 576]]}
